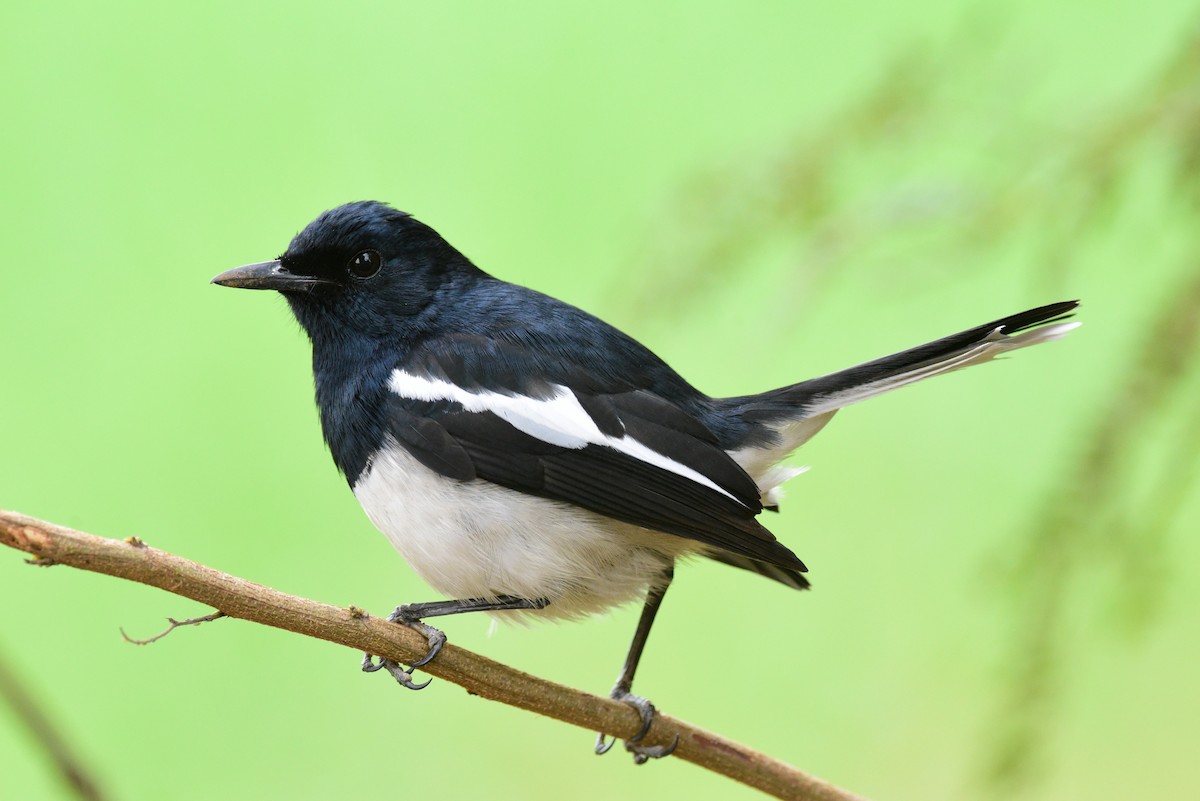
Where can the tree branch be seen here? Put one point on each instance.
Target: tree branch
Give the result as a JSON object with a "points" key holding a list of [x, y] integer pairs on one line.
{"points": [[134, 560]]}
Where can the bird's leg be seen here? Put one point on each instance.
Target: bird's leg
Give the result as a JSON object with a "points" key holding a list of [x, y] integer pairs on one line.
{"points": [[621, 691], [411, 614]]}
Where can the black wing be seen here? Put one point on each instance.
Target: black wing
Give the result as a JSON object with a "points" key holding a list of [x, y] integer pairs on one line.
{"points": [[645, 462]]}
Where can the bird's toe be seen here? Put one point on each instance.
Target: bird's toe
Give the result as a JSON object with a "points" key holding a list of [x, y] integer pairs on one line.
{"points": [[641, 753]]}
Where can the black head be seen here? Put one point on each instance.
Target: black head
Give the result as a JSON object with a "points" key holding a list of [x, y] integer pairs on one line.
{"points": [[363, 267]]}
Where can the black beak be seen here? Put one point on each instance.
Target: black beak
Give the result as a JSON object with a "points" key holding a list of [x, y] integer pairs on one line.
{"points": [[266, 275]]}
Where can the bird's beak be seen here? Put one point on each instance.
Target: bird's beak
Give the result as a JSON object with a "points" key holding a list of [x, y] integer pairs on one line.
{"points": [[266, 275]]}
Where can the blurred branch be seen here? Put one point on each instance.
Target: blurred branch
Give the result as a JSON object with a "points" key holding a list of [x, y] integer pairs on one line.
{"points": [[47, 735], [235, 597]]}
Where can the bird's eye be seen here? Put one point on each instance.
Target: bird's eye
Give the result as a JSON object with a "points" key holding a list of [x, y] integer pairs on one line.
{"points": [[365, 264]]}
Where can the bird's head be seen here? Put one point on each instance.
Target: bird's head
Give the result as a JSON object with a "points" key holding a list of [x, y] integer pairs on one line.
{"points": [[362, 267]]}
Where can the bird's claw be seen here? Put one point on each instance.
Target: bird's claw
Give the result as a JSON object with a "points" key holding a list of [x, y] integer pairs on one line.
{"points": [[641, 753], [397, 671], [435, 637], [602, 745], [644, 753]]}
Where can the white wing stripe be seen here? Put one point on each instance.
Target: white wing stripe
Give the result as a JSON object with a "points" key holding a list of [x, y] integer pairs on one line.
{"points": [[559, 420]]}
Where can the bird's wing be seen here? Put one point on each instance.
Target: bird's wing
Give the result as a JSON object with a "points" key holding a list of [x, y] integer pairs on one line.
{"points": [[467, 413]]}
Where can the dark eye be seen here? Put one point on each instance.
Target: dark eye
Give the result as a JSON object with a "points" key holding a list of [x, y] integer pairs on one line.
{"points": [[365, 264]]}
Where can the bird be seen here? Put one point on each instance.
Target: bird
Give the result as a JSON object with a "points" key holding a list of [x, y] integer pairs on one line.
{"points": [[531, 461]]}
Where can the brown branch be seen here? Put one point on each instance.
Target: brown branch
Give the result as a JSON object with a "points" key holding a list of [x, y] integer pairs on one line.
{"points": [[134, 560]]}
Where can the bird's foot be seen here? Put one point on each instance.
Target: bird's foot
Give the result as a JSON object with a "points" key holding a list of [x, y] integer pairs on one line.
{"points": [[406, 616], [397, 671], [435, 637], [641, 753]]}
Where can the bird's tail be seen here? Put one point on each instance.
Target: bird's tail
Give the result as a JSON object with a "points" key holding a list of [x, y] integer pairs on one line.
{"points": [[795, 413]]}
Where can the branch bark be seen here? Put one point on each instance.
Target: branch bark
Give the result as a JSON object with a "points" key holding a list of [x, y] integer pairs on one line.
{"points": [[132, 559]]}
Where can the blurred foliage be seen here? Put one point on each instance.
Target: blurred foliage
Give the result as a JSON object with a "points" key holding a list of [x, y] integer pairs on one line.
{"points": [[1099, 518], [1070, 170]]}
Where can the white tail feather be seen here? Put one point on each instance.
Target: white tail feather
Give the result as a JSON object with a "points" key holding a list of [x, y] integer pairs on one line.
{"points": [[763, 463], [996, 344]]}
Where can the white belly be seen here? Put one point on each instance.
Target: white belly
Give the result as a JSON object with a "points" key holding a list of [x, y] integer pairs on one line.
{"points": [[476, 539]]}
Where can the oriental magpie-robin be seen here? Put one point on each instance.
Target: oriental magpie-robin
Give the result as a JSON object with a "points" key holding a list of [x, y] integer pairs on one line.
{"points": [[528, 459]]}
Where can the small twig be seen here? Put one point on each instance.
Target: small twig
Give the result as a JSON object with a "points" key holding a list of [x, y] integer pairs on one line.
{"points": [[191, 621], [482, 677]]}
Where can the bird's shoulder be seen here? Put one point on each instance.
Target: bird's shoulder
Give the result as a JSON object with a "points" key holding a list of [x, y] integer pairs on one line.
{"points": [[504, 334]]}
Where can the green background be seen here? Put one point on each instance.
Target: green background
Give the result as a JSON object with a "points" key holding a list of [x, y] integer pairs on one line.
{"points": [[1004, 560]]}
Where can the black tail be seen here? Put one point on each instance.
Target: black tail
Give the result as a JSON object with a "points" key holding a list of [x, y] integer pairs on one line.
{"points": [[981, 343]]}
